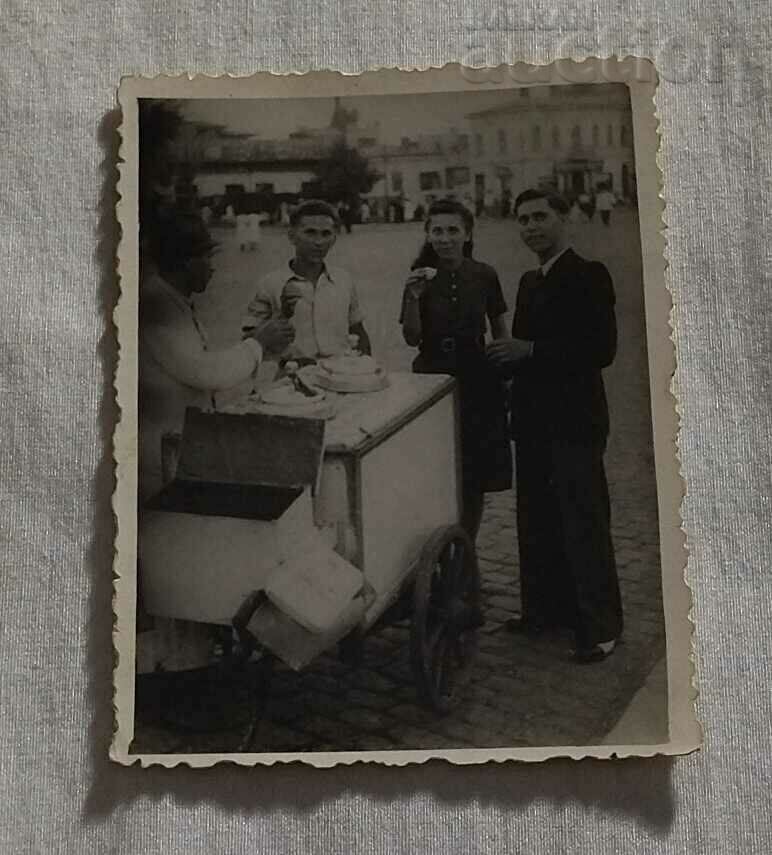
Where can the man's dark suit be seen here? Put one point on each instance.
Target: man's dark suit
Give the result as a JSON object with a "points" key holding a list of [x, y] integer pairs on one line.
{"points": [[560, 424]]}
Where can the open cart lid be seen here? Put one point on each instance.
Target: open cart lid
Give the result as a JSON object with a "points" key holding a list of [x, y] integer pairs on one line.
{"points": [[246, 465]]}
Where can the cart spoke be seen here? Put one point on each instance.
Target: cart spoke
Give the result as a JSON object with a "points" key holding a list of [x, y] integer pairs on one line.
{"points": [[444, 621], [440, 670], [452, 568]]}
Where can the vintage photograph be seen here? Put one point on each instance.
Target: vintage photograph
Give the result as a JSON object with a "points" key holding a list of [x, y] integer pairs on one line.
{"points": [[396, 460]]}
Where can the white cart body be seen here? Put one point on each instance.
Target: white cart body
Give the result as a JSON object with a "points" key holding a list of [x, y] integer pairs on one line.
{"points": [[390, 478]]}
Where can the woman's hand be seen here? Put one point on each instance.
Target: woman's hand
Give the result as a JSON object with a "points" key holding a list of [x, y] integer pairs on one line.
{"points": [[415, 287], [418, 281]]}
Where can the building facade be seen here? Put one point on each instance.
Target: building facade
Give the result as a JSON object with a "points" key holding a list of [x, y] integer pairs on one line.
{"points": [[572, 138]]}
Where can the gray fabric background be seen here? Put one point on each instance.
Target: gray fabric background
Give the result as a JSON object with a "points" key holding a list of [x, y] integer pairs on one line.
{"points": [[61, 63]]}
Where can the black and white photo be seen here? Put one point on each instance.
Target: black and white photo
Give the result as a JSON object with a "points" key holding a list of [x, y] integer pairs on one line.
{"points": [[396, 460]]}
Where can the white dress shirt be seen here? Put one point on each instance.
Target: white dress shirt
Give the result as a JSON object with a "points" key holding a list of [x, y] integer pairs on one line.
{"points": [[548, 264], [322, 316]]}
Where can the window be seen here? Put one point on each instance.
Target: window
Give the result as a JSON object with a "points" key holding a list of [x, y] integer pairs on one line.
{"points": [[262, 187], [233, 189], [503, 144], [624, 135], [456, 176], [595, 135], [479, 145], [536, 137], [609, 135], [310, 189], [396, 182], [576, 135], [555, 136], [430, 181]]}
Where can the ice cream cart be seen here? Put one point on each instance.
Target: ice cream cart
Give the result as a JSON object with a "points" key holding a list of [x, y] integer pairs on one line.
{"points": [[304, 533]]}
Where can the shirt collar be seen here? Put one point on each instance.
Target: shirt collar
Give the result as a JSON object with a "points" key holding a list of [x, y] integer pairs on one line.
{"points": [[550, 262], [325, 273]]}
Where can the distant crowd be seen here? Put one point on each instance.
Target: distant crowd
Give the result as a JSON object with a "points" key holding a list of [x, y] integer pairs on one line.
{"points": [[248, 212]]}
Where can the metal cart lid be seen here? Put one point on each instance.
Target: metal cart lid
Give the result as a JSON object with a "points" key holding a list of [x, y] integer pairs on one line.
{"points": [[365, 420], [246, 465]]}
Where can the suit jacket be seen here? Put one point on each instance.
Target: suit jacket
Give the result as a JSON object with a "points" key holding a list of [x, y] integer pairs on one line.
{"points": [[568, 314]]}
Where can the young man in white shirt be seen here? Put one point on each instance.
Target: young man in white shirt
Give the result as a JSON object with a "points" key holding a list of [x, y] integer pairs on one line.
{"points": [[320, 300]]}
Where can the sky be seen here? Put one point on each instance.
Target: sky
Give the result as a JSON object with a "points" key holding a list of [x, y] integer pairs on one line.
{"points": [[399, 115]]}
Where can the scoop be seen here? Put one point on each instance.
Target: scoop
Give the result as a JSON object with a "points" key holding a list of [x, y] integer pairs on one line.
{"points": [[292, 372]]}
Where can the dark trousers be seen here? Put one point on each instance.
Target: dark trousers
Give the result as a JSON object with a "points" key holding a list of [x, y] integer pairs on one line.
{"points": [[568, 572], [606, 217]]}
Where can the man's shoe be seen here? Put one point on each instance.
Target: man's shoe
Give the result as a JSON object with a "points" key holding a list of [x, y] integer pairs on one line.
{"points": [[596, 653], [521, 626]]}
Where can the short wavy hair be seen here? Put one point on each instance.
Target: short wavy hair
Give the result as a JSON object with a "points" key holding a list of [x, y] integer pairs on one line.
{"points": [[427, 257], [553, 199], [314, 208]]}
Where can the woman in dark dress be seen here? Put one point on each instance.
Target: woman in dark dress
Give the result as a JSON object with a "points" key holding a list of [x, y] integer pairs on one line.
{"points": [[449, 303]]}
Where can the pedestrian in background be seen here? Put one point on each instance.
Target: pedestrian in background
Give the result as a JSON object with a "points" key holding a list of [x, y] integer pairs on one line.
{"points": [[606, 202]]}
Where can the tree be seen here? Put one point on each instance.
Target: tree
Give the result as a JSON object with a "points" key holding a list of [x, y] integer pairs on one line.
{"points": [[344, 174], [343, 119], [160, 122]]}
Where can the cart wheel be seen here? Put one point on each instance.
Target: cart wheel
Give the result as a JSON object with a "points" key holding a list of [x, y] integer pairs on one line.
{"points": [[446, 609]]}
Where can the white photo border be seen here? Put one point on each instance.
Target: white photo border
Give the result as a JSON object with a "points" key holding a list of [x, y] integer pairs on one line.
{"points": [[641, 78]]}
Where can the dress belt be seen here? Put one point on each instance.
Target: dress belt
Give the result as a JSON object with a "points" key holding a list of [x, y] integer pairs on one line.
{"points": [[452, 344]]}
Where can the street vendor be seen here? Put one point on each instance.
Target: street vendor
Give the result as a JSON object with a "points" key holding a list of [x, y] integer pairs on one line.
{"points": [[176, 368], [450, 301], [321, 301]]}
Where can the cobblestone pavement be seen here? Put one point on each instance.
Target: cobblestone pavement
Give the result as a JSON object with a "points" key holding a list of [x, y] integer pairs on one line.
{"points": [[522, 692]]}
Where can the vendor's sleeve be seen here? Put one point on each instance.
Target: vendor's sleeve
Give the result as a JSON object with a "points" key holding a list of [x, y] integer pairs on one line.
{"points": [[183, 357], [215, 370]]}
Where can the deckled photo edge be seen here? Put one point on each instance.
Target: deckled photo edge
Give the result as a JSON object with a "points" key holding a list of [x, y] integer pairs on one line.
{"points": [[684, 727], [685, 735], [125, 434], [683, 689]]}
